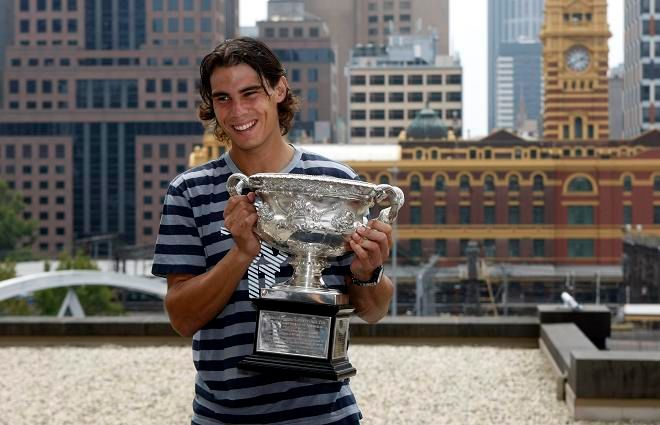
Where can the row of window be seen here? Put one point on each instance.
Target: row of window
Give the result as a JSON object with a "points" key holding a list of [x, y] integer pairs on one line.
{"points": [[101, 94], [518, 153], [163, 169], [43, 185], [45, 247], [645, 49], [400, 97], [44, 200], [577, 17], [27, 169], [389, 5], [41, 26], [180, 150], [399, 79], [489, 183], [175, 5], [51, 5], [48, 42], [312, 75], [30, 104], [297, 32], [186, 24], [44, 215], [645, 6], [148, 184], [32, 86], [387, 31], [489, 215], [372, 19], [44, 151], [577, 248], [126, 61]]}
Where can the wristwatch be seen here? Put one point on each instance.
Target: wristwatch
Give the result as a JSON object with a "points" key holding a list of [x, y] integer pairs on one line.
{"points": [[373, 280]]}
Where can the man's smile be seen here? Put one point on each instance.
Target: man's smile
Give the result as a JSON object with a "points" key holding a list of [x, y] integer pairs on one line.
{"points": [[245, 126]]}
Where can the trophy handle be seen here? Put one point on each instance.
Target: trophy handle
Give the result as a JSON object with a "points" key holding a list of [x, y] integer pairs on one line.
{"points": [[236, 182], [395, 197]]}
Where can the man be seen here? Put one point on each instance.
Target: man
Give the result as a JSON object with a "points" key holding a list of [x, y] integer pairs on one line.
{"points": [[211, 256]]}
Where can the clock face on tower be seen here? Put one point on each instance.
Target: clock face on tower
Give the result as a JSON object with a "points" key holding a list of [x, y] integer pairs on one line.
{"points": [[577, 58]]}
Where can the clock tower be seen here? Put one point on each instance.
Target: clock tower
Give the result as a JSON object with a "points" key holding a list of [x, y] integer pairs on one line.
{"points": [[574, 37]]}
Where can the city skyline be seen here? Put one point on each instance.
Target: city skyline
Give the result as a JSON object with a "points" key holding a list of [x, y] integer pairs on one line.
{"points": [[473, 52]]}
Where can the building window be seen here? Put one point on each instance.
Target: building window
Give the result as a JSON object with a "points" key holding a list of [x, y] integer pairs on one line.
{"points": [[656, 184], [440, 214], [627, 184], [464, 215], [377, 132], [377, 80], [581, 215], [489, 184], [490, 248], [434, 79], [489, 214], [358, 80], [415, 214], [297, 32], [514, 185], [439, 183], [415, 184], [314, 32], [538, 248], [441, 247], [514, 247], [396, 97], [580, 184], [464, 183], [580, 248], [627, 214], [377, 97], [188, 25], [514, 214], [538, 214], [538, 184], [358, 132], [434, 96]]}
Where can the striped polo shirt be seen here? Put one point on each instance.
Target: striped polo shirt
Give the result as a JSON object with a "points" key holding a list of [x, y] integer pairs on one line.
{"points": [[191, 240]]}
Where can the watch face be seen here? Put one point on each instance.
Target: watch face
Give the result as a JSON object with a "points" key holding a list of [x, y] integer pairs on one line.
{"points": [[577, 59]]}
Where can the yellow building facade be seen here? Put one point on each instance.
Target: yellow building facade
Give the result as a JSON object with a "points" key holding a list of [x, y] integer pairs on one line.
{"points": [[575, 65]]}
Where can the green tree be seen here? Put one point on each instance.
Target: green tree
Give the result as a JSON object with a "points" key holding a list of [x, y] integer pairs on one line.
{"points": [[14, 306], [15, 231], [95, 300]]}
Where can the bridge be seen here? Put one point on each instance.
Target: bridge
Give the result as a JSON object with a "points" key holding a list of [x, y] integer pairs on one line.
{"points": [[69, 278]]}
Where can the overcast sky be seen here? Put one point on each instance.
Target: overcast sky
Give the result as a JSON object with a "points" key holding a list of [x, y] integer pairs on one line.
{"points": [[472, 49]]}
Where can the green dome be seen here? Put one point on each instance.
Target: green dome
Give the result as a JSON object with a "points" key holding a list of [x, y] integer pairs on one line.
{"points": [[427, 125]]}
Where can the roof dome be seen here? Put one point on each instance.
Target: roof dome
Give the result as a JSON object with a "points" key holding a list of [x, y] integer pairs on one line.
{"points": [[427, 125]]}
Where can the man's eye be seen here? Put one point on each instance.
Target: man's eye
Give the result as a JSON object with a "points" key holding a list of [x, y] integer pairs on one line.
{"points": [[222, 99], [250, 93]]}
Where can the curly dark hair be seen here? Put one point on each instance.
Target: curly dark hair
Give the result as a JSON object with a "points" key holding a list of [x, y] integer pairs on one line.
{"points": [[258, 56]]}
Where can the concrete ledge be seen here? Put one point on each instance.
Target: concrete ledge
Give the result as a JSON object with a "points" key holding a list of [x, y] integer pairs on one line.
{"points": [[628, 375], [604, 409], [475, 330], [561, 339], [593, 320]]}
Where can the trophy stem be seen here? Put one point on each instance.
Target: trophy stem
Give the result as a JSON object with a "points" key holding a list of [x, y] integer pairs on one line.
{"points": [[307, 269]]}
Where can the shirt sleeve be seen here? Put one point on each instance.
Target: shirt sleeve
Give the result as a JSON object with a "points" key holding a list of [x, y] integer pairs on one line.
{"points": [[179, 248]]}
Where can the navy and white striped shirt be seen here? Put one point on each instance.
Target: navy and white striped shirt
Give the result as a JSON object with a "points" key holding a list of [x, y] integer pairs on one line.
{"points": [[192, 240]]}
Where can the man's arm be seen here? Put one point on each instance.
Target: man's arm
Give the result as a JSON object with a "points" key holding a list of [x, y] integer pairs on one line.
{"points": [[192, 301], [371, 246]]}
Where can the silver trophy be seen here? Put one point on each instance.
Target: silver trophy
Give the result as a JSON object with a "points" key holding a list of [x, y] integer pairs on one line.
{"points": [[302, 325]]}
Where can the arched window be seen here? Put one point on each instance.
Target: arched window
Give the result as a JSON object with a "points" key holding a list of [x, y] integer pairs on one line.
{"points": [[419, 154], [415, 184], [514, 185], [578, 127], [538, 184], [464, 183], [627, 184], [439, 183], [384, 179], [656, 184], [489, 184], [434, 154], [580, 184]]}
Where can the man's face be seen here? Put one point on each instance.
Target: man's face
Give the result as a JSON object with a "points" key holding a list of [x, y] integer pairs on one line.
{"points": [[246, 113]]}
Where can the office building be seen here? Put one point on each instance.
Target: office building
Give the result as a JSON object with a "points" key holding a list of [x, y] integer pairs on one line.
{"points": [[616, 99], [106, 95], [302, 43], [511, 22], [390, 85]]}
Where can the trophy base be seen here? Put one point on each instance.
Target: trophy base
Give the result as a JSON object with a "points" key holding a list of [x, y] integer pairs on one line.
{"points": [[301, 339], [298, 367]]}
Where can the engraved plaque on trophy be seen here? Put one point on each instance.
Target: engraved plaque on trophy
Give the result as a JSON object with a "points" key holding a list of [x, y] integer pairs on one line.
{"points": [[302, 325]]}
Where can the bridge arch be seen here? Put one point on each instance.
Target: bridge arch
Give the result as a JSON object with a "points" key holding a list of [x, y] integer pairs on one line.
{"points": [[67, 278]]}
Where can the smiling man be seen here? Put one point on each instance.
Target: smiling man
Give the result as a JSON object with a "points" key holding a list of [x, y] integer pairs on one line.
{"points": [[212, 259]]}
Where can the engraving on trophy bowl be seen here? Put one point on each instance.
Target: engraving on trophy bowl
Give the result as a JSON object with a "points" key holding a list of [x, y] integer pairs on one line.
{"points": [[312, 217]]}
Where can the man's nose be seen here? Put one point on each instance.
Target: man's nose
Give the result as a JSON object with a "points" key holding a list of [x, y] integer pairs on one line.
{"points": [[238, 107]]}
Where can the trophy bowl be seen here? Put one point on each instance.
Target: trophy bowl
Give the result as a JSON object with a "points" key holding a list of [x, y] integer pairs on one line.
{"points": [[312, 218], [302, 325]]}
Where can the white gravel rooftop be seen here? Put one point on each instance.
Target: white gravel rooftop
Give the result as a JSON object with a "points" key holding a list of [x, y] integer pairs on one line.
{"points": [[395, 385]]}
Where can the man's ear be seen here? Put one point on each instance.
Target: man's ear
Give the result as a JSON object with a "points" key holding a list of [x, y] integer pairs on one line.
{"points": [[281, 89]]}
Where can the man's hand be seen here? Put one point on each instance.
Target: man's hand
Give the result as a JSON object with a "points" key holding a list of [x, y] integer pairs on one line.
{"points": [[240, 217], [371, 245]]}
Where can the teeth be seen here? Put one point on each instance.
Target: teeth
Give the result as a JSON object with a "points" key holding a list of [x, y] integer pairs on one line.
{"points": [[244, 126]]}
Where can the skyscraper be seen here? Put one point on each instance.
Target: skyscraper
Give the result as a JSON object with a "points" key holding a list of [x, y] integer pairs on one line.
{"points": [[353, 22], [511, 22], [641, 77], [100, 111], [302, 42]]}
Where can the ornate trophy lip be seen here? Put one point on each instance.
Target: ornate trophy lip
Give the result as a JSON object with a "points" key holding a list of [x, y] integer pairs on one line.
{"points": [[312, 185], [304, 294]]}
